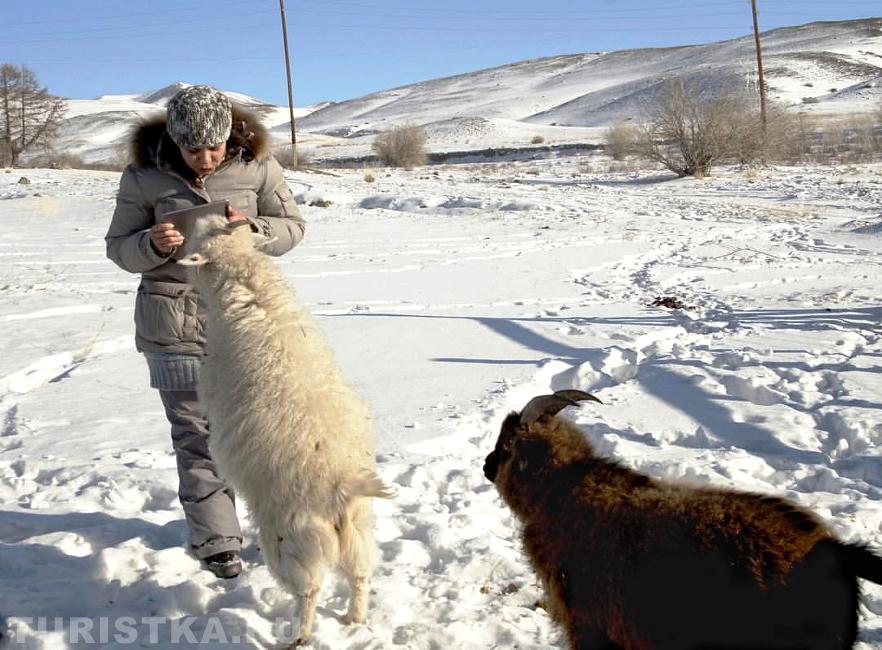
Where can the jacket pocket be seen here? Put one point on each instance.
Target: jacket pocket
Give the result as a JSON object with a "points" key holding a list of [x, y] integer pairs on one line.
{"points": [[160, 312], [287, 204], [192, 325]]}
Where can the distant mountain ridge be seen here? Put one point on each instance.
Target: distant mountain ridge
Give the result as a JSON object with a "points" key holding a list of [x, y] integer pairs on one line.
{"points": [[825, 67], [589, 90]]}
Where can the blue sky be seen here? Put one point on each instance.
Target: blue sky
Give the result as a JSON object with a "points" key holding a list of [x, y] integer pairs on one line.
{"points": [[346, 48]]}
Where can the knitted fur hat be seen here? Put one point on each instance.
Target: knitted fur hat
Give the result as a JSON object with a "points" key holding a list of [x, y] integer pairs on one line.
{"points": [[199, 116]]}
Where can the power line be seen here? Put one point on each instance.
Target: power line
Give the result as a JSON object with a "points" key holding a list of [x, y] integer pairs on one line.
{"points": [[549, 12], [139, 26], [495, 39], [530, 19], [103, 61], [556, 30], [419, 28], [361, 52], [165, 12], [543, 12], [870, 3], [134, 36]]}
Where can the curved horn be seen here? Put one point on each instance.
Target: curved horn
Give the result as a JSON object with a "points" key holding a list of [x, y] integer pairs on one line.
{"points": [[553, 404]]}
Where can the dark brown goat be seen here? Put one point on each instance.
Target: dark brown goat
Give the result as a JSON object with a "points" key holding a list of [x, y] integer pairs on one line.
{"points": [[628, 561]]}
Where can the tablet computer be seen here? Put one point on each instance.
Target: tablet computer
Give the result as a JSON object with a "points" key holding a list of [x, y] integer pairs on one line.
{"points": [[183, 220]]}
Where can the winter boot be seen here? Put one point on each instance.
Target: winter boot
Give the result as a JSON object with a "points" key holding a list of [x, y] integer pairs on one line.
{"points": [[224, 565]]}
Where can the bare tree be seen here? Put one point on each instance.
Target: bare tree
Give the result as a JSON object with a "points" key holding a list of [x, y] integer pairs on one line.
{"points": [[689, 130], [29, 115]]}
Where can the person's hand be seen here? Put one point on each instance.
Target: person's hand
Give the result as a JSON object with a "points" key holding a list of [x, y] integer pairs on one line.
{"points": [[165, 238], [234, 215]]}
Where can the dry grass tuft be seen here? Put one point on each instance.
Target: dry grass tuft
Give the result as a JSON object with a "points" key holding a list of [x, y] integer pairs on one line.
{"points": [[292, 159]]}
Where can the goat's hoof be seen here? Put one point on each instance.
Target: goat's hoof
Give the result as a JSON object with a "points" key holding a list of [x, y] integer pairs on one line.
{"points": [[351, 619]]}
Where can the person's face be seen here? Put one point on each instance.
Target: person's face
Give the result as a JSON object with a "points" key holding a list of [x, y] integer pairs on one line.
{"points": [[204, 160]]}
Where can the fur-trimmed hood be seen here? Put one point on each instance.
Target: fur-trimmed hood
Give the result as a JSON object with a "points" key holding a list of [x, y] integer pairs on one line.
{"points": [[150, 145]]}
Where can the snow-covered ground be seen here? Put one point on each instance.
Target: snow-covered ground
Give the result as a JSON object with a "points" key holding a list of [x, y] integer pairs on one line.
{"points": [[451, 296]]}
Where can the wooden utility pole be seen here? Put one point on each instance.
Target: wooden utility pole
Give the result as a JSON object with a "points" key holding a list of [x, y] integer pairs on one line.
{"points": [[759, 68], [21, 89], [288, 70]]}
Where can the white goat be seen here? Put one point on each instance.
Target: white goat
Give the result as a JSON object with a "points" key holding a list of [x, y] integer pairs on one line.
{"points": [[287, 432]]}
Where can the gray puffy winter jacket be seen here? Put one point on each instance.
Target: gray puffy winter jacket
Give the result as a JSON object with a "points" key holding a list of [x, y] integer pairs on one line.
{"points": [[168, 313]]}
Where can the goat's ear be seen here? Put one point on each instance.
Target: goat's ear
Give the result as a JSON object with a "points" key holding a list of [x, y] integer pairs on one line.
{"points": [[509, 431], [530, 454]]}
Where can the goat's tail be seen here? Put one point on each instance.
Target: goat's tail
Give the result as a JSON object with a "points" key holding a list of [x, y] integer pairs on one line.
{"points": [[863, 562], [365, 483]]}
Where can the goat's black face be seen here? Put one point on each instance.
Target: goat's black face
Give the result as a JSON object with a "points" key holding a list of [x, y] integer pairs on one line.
{"points": [[503, 450]]}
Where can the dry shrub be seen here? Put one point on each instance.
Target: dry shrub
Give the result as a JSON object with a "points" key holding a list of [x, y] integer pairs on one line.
{"points": [[369, 176], [107, 166], [587, 167], [621, 140], [746, 140], [858, 139], [622, 166], [291, 158], [56, 160], [825, 140], [537, 139], [66, 160], [798, 145], [790, 138], [402, 146]]}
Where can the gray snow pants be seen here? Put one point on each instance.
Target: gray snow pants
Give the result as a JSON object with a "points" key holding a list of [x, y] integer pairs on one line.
{"points": [[208, 503]]}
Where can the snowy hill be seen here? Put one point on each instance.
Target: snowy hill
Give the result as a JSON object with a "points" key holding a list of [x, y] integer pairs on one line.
{"points": [[829, 68], [591, 90]]}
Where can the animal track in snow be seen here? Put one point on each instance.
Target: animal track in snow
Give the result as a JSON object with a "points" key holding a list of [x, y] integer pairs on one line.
{"points": [[58, 366], [10, 422]]}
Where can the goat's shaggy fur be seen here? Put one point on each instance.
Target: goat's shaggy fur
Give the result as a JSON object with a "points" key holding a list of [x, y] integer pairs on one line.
{"points": [[628, 561], [287, 432]]}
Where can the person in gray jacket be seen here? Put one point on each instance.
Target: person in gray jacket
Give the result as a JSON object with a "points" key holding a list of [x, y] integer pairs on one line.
{"points": [[204, 149]]}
